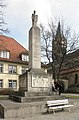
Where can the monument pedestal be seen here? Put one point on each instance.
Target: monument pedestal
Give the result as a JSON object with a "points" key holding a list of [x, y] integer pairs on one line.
{"points": [[36, 81], [35, 85]]}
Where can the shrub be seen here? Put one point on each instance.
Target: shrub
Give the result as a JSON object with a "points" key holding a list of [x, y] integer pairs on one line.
{"points": [[73, 90], [74, 85]]}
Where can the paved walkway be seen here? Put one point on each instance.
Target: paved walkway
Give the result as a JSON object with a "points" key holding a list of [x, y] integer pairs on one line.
{"points": [[63, 115], [60, 115]]}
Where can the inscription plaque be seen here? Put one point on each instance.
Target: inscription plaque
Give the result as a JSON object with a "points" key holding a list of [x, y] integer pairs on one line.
{"points": [[40, 81]]}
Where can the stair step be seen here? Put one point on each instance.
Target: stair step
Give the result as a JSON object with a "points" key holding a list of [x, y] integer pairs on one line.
{"points": [[33, 98]]}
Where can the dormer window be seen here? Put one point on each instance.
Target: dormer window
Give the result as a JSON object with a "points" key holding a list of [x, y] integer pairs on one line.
{"points": [[4, 54], [25, 57]]}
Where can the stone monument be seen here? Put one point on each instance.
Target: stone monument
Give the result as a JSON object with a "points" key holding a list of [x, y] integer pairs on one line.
{"points": [[35, 79], [34, 85]]}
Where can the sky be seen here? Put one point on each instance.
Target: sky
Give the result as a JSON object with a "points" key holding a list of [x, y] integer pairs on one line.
{"points": [[18, 15]]}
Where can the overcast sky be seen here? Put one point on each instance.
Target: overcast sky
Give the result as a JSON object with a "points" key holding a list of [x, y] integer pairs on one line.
{"points": [[18, 15]]}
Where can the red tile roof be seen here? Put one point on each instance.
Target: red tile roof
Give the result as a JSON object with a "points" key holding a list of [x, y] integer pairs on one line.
{"points": [[15, 49]]}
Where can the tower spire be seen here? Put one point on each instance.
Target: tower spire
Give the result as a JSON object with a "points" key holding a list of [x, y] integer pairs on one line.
{"points": [[58, 33], [59, 28]]}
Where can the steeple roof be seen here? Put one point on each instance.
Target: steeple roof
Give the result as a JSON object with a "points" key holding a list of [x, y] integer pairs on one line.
{"points": [[58, 33]]}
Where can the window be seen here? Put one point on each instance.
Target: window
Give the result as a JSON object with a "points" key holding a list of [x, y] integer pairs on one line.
{"points": [[1, 83], [12, 69], [4, 54], [1, 68], [12, 83], [25, 57]]}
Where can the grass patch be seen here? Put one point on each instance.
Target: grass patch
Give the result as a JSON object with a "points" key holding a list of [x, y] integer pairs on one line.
{"points": [[71, 96], [4, 97]]}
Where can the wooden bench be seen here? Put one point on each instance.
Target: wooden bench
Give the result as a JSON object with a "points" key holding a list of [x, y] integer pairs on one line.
{"points": [[57, 104]]}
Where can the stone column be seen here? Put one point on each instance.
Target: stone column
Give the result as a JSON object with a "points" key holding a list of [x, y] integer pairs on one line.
{"points": [[34, 44]]}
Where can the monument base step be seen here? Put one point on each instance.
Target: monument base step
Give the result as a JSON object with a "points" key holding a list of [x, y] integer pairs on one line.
{"points": [[10, 109], [33, 98], [24, 97], [29, 94]]}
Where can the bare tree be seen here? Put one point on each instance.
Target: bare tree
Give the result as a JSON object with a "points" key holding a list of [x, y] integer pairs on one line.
{"points": [[57, 41], [3, 24]]}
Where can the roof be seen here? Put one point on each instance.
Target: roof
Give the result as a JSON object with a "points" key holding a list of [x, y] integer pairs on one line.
{"points": [[15, 49], [72, 55], [70, 70]]}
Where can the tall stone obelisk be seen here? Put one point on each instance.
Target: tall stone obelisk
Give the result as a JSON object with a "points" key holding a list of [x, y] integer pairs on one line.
{"points": [[34, 44], [35, 79]]}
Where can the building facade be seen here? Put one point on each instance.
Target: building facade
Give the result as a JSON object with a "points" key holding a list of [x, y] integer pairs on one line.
{"points": [[70, 68], [13, 62]]}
